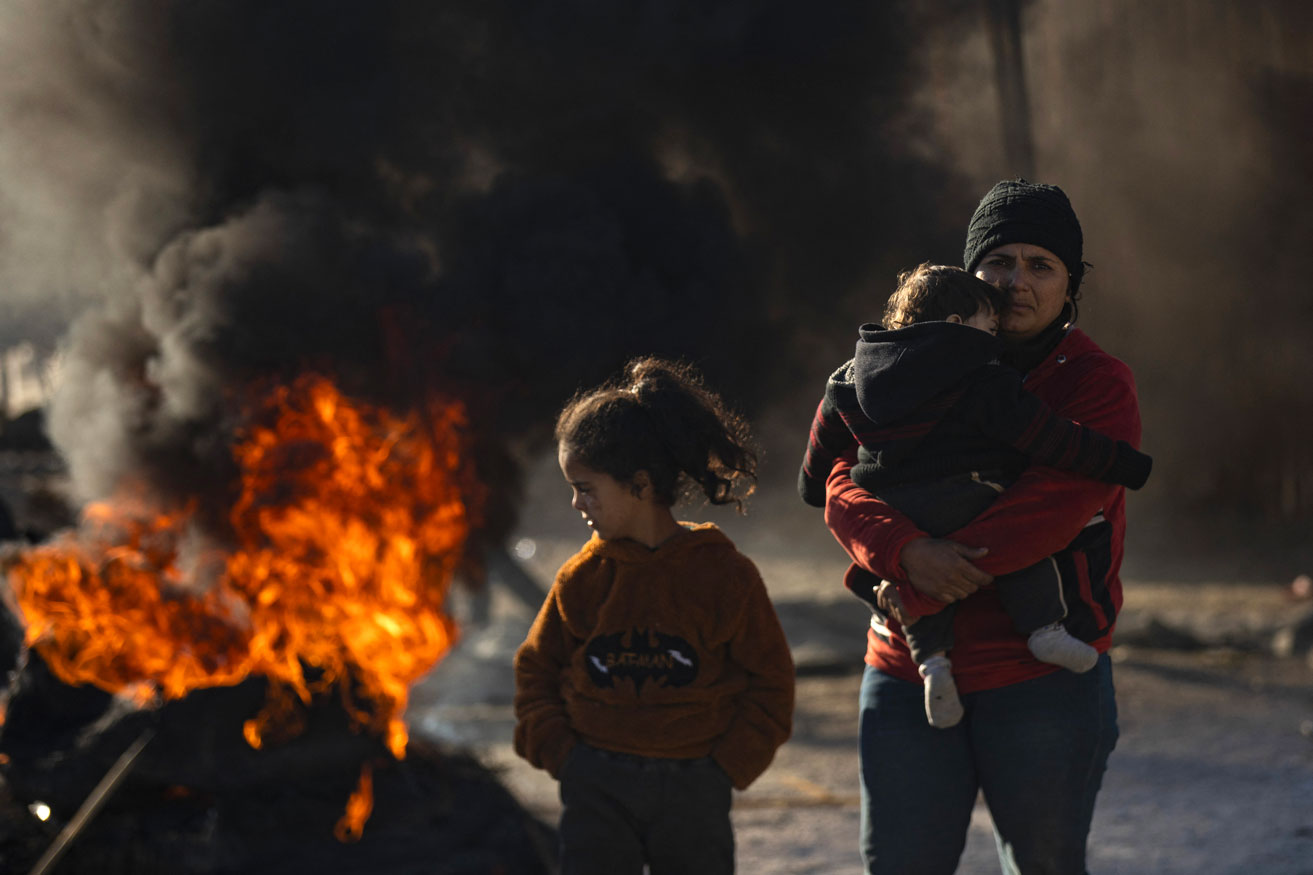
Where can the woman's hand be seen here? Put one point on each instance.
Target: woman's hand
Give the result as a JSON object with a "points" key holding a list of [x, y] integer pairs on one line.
{"points": [[941, 569]]}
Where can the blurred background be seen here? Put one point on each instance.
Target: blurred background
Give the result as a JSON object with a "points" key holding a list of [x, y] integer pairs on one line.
{"points": [[505, 200], [501, 201]]}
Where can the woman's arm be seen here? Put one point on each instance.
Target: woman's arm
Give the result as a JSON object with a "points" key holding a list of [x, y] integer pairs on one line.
{"points": [[829, 437], [887, 543], [1045, 509]]}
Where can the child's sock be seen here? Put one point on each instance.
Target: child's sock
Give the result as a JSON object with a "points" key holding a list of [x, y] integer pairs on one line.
{"points": [[942, 706], [1054, 644]]}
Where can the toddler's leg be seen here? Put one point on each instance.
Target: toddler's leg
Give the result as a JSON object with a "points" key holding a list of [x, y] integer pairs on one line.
{"points": [[1033, 599], [1055, 645], [931, 635], [929, 638], [943, 707]]}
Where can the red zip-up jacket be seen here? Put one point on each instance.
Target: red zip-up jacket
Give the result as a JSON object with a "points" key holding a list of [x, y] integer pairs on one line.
{"points": [[1046, 512]]}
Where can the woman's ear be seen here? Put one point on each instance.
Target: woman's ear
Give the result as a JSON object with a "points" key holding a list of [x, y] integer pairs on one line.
{"points": [[953, 317], [641, 485]]}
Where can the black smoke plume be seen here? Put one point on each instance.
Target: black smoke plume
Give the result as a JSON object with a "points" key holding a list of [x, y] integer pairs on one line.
{"points": [[499, 200]]}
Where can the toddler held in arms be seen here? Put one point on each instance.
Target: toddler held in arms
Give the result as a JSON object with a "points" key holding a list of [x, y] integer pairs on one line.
{"points": [[941, 428]]}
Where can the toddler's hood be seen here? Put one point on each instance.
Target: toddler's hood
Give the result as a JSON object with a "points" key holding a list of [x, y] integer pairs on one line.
{"points": [[896, 371]]}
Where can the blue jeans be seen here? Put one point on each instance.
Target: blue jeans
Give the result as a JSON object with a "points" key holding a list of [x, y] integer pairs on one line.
{"points": [[1037, 749]]}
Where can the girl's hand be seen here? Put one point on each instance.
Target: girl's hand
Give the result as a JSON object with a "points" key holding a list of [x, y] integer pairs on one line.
{"points": [[941, 569]]}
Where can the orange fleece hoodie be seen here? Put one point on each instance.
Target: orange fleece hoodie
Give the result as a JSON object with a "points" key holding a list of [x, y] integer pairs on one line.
{"points": [[671, 653]]}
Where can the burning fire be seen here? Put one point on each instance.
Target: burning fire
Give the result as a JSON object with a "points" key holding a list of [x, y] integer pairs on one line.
{"points": [[345, 534]]}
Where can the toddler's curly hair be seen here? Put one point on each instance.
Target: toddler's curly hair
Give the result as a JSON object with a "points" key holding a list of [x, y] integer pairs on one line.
{"points": [[933, 292]]}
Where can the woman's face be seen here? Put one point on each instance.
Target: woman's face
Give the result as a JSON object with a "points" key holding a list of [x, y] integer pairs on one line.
{"points": [[1036, 283]]}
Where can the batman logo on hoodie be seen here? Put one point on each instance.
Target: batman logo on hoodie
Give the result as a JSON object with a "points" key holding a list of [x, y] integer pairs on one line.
{"points": [[641, 655]]}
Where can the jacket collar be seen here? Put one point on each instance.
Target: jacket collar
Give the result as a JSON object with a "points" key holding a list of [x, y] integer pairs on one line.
{"points": [[1027, 354]]}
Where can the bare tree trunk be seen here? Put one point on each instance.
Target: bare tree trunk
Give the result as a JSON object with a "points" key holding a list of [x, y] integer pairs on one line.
{"points": [[1004, 21]]}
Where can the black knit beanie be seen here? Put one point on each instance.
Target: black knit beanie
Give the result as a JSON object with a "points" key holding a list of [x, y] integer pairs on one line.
{"points": [[1016, 211]]}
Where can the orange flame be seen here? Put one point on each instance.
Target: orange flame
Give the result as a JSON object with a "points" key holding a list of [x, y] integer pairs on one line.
{"points": [[348, 527], [358, 808]]}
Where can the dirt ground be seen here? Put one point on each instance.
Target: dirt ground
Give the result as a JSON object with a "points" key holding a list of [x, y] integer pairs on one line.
{"points": [[1213, 772]]}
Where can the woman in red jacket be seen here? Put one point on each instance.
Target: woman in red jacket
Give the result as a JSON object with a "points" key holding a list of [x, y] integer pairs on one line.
{"points": [[1034, 739]]}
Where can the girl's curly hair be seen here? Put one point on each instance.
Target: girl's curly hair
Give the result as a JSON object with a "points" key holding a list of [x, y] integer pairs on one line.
{"points": [[660, 417]]}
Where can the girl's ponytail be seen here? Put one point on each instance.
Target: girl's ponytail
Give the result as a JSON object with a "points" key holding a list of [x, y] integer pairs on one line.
{"points": [[659, 417]]}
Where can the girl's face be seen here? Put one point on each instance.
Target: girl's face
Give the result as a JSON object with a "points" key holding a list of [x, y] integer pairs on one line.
{"points": [[609, 507], [1035, 281]]}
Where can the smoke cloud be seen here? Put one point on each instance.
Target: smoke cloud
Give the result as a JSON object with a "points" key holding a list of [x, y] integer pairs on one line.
{"points": [[1180, 131], [501, 201], [93, 181], [504, 200]]}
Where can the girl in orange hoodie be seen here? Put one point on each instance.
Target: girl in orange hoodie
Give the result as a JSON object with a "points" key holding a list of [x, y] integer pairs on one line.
{"points": [[656, 675]]}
